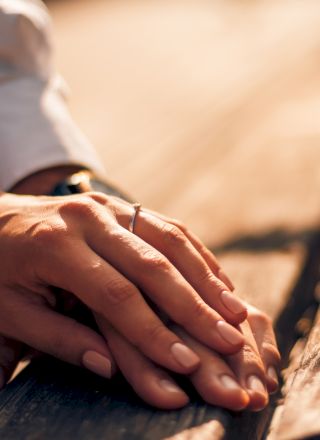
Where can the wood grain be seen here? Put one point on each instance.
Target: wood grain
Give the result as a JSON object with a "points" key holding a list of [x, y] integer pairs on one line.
{"points": [[299, 414], [215, 99], [208, 111]]}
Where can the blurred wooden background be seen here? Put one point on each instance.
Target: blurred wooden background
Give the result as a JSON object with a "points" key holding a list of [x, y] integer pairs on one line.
{"points": [[209, 111], [168, 90], [206, 110]]}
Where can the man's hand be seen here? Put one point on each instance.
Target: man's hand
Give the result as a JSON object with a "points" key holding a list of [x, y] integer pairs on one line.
{"points": [[236, 382], [81, 244]]}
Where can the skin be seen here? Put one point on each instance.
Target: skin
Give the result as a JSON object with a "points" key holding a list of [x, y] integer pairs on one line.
{"points": [[112, 271], [156, 387]]}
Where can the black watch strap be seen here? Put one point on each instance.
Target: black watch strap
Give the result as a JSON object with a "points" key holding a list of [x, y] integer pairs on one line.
{"points": [[84, 181]]}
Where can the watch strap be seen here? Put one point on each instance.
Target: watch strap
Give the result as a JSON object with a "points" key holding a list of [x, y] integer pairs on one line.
{"points": [[84, 181]]}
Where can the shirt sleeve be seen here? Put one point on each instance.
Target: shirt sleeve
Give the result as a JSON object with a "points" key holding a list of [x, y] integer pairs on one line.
{"points": [[36, 130]]}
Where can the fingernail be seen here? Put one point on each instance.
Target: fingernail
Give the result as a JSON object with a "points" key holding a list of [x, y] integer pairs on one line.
{"points": [[97, 363], [254, 383], [232, 303], [229, 383], [167, 385], [225, 279], [182, 354], [272, 374], [229, 333]]}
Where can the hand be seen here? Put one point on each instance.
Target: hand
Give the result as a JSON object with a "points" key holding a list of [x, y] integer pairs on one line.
{"points": [[80, 243], [235, 382]]}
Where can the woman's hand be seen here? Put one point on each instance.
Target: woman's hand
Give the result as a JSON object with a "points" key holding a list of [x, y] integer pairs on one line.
{"points": [[236, 382], [81, 244]]}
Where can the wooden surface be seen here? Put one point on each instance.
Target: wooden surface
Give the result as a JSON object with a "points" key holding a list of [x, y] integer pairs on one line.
{"points": [[208, 111], [298, 416], [195, 95]]}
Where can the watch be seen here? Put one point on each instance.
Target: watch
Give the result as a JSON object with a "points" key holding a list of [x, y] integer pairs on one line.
{"points": [[84, 181]]}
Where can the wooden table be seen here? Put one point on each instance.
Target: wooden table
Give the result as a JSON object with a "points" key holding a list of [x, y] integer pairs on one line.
{"points": [[207, 111]]}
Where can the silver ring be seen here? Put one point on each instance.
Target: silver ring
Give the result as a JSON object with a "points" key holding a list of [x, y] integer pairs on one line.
{"points": [[136, 209]]}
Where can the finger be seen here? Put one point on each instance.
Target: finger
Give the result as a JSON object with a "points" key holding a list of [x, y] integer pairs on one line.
{"points": [[107, 292], [214, 380], [151, 383], [261, 327], [173, 243], [148, 269], [249, 369], [10, 355], [124, 218], [206, 254], [47, 331]]}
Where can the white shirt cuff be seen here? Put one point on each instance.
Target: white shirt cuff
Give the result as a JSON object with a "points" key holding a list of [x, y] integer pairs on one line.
{"points": [[36, 130]]}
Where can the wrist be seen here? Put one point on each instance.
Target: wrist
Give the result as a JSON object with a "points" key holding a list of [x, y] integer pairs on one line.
{"points": [[65, 180], [43, 181]]}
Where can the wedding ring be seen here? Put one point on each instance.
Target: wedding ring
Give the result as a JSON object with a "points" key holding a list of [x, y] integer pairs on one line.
{"points": [[136, 209]]}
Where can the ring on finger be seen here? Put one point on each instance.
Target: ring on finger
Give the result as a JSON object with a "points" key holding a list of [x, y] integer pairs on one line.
{"points": [[136, 209]]}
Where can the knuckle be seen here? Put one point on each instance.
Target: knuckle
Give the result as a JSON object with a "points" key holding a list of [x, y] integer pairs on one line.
{"points": [[81, 207], [118, 291], [154, 261], [98, 197], [268, 348], [173, 235], [260, 318], [155, 333], [179, 224], [199, 311], [205, 276], [252, 357]]}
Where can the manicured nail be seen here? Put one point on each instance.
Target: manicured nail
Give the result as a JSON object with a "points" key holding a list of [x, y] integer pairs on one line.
{"points": [[255, 384], [229, 333], [225, 279], [272, 374], [182, 354], [167, 385], [97, 363], [229, 383], [232, 302]]}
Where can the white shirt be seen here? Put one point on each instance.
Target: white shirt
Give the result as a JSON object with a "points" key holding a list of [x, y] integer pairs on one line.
{"points": [[36, 130]]}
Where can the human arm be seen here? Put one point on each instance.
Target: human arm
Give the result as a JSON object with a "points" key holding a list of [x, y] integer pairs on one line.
{"points": [[36, 130], [80, 244], [173, 234]]}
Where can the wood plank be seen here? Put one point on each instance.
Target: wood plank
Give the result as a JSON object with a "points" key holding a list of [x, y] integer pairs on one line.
{"points": [[299, 414], [217, 119], [51, 400], [207, 431], [195, 95]]}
